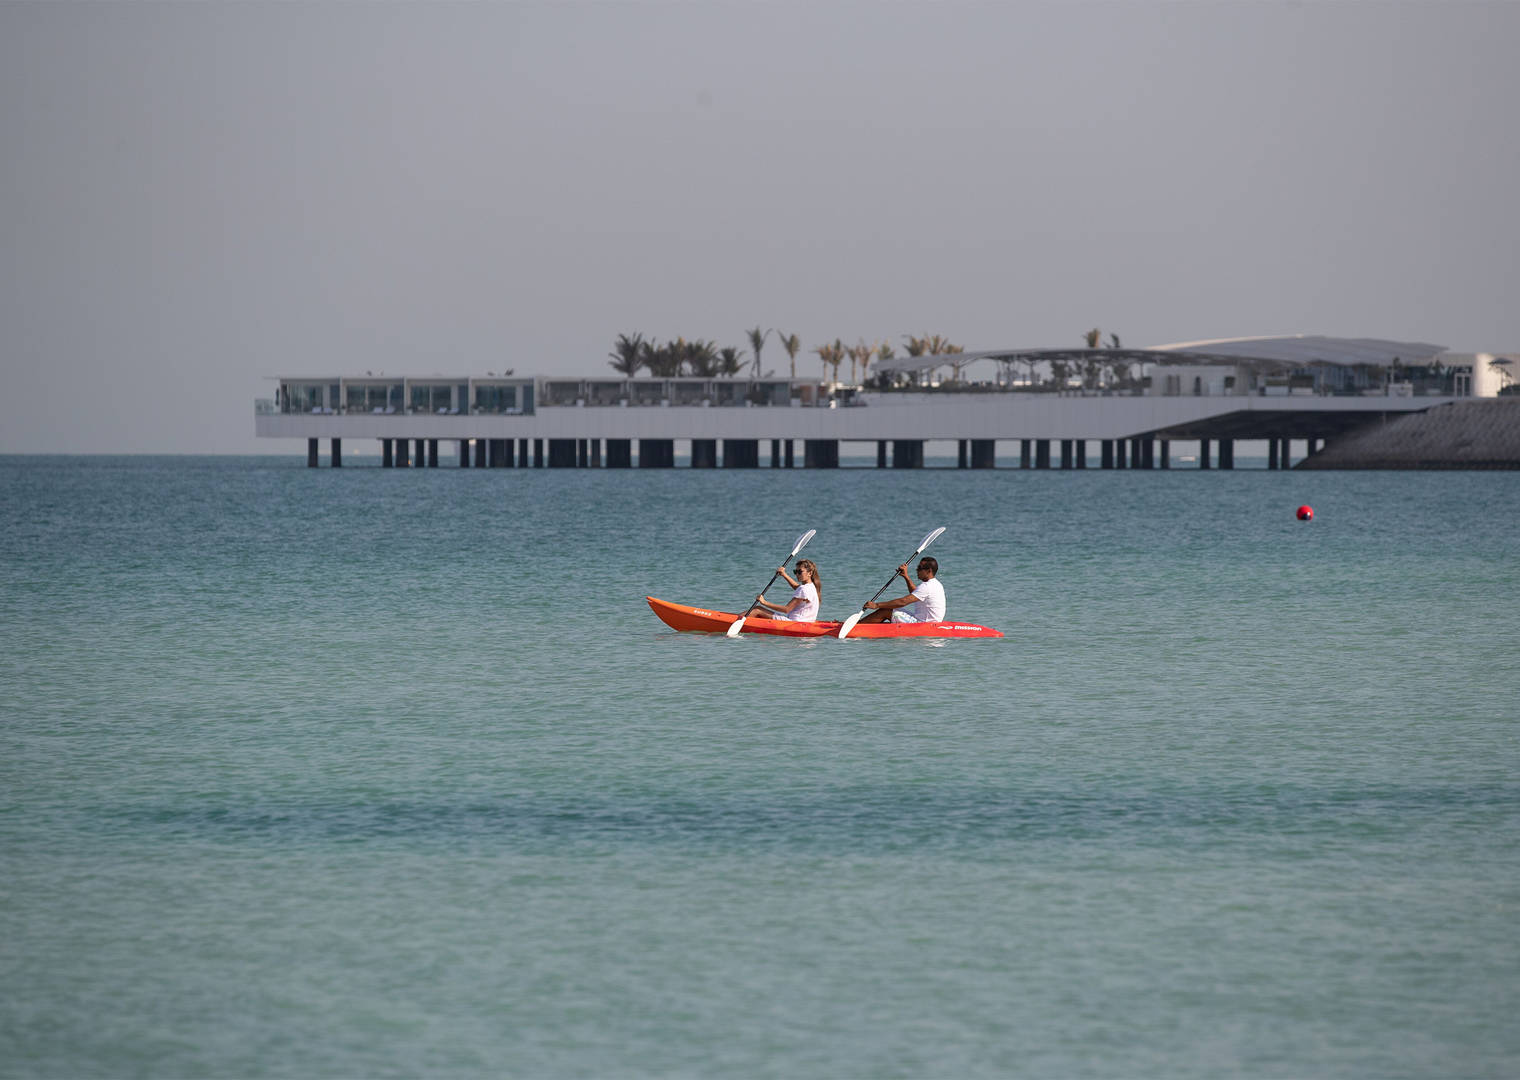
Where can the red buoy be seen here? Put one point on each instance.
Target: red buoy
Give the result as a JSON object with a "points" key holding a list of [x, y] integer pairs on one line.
{"points": [[1306, 513]]}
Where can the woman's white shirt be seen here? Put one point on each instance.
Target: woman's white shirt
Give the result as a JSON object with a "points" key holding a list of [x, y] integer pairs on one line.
{"points": [[807, 611]]}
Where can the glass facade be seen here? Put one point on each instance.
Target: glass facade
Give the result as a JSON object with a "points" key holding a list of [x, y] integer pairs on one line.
{"points": [[495, 399], [385, 397], [646, 392], [372, 397], [432, 397], [562, 392]]}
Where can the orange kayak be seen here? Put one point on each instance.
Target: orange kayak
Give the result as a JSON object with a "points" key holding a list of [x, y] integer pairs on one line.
{"points": [[705, 621]]}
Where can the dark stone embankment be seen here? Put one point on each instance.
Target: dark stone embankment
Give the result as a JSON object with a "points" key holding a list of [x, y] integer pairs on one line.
{"points": [[1479, 434]]}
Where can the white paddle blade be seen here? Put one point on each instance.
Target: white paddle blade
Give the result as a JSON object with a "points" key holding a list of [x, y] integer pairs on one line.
{"points": [[929, 539], [735, 626], [802, 541], [849, 624]]}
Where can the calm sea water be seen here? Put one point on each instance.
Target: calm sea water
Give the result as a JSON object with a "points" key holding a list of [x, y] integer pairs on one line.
{"points": [[392, 772]]}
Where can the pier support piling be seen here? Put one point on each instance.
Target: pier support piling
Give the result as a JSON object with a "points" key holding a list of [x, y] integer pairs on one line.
{"points": [[983, 454], [960, 454], [704, 453], [741, 453], [311, 453], [561, 453], [420, 461], [1203, 453], [432, 447], [1147, 453], [1024, 452], [881, 453], [820, 453], [790, 462], [657, 453], [1226, 453], [775, 453], [619, 453], [1119, 448], [402, 460], [386, 462], [1166, 454], [1066, 454], [1081, 453], [1042, 453], [337, 453], [1108, 453], [906, 454]]}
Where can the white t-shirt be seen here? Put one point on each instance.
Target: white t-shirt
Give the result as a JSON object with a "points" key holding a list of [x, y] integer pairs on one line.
{"points": [[808, 610], [930, 606]]}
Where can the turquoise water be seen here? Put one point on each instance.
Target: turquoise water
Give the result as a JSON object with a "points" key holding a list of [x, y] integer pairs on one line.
{"points": [[392, 772]]}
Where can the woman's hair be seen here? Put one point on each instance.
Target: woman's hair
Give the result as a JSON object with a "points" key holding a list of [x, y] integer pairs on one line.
{"points": [[812, 568]]}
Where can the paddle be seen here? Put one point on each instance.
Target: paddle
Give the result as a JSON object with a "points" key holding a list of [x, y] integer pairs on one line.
{"points": [[802, 542], [849, 624]]}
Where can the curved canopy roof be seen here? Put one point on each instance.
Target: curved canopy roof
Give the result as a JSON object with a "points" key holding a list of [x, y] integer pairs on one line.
{"points": [[1292, 351], [1302, 350]]}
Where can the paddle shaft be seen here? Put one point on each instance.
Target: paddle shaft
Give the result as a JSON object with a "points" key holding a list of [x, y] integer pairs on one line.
{"points": [[891, 579], [768, 584]]}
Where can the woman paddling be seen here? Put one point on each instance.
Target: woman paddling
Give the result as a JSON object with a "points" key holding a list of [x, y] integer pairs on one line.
{"points": [[803, 607]]}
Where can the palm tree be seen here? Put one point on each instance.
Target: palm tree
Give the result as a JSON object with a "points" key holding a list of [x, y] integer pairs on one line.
{"points": [[1092, 337], [628, 354], [1113, 341], [700, 358], [831, 356], [729, 361], [860, 357], [663, 361], [791, 343], [756, 343], [933, 346]]}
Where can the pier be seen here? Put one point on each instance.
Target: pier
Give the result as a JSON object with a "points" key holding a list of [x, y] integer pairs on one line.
{"points": [[1297, 395], [988, 430]]}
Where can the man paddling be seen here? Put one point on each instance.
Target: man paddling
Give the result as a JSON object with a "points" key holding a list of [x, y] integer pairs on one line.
{"points": [[925, 601]]}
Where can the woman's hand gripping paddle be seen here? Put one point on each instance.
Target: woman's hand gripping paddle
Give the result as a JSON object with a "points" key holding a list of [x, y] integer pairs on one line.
{"points": [[802, 542], [849, 624]]}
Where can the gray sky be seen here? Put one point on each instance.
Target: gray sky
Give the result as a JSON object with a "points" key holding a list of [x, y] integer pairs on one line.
{"points": [[196, 196]]}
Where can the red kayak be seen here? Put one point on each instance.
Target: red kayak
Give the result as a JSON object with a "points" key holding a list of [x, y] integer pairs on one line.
{"points": [[704, 621]]}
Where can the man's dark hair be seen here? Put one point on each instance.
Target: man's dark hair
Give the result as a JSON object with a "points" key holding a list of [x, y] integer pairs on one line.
{"points": [[931, 562]]}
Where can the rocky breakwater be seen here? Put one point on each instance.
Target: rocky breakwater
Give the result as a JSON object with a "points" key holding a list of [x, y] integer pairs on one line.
{"points": [[1480, 434]]}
